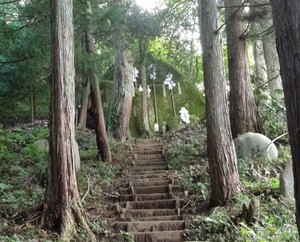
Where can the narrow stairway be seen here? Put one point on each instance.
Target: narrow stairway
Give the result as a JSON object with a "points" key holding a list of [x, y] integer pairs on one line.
{"points": [[150, 199]]}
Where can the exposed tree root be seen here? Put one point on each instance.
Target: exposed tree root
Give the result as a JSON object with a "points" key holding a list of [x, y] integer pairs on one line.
{"points": [[82, 221], [72, 219], [88, 188], [42, 218]]}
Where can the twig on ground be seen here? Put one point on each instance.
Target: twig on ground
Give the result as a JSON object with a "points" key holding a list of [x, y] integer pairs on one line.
{"points": [[88, 188]]}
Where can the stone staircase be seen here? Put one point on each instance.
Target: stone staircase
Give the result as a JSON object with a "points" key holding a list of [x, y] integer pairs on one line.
{"points": [[151, 199]]}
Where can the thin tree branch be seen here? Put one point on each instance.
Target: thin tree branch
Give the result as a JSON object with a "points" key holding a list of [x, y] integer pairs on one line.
{"points": [[231, 17], [31, 22], [9, 2], [243, 5], [263, 33], [15, 61]]}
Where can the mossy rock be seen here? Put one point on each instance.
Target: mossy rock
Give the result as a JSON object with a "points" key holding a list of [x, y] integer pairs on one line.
{"points": [[189, 97], [185, 94]]}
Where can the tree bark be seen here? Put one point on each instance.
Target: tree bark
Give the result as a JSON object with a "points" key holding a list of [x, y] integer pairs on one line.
{"points": [[84, 106], [123, 89], [62, 206], [221, 151], [263, 14], [261, 76], [270, 52], [98, 115], [146, 129], [124, 79], [243, 110], [286, 16]]}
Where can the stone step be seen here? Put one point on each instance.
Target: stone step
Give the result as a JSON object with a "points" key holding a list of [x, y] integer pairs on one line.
{"points": [[147, 197], [124, 182], [149, 226], [146, 141], [151, 189], [149, 156], [153, 204], [156, 149], [158, 236], [138, 213], [143, 197], [161, 218], [151, 172], [148, 148], [149, 168], [137, 180], [149, 175], [160, 182], [150, 163], [148, 182], [150, 204]]}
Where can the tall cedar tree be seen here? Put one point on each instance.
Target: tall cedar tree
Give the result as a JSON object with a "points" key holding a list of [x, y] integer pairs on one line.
{"points": [[98, 115], [221, 152], [142, 48], [243, 110], [63, 210], [123, 77], [286, 16]]}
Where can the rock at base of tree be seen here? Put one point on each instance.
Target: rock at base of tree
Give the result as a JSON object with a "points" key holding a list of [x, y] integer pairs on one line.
{"points": [[287, 181], [43, 145], [250, 145]]}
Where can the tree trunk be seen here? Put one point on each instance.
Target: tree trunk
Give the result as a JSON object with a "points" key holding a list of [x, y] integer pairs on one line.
{"points": [[261, 78], [124, 78], [243, 110], [146, 129], [270, 52], [62, 207], [98, 115], [286, 16], [121, 104], [260, 64], [84, 106], [221, 151]]}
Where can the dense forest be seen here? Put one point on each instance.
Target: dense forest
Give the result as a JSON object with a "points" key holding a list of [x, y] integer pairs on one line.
{"points": [[83, 83]]}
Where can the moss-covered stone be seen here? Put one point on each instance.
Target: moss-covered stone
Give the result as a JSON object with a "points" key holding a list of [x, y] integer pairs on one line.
{"points": [[185, 94], [190, 98]]}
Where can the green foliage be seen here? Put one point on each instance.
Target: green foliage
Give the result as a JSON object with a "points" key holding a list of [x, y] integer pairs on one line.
{"points": [[128, 236], [276, 223], [274, 118], [22, 169], [107, 171], [111, 119], [213, 226], [274, 219], [187, 155], [25, 50]]}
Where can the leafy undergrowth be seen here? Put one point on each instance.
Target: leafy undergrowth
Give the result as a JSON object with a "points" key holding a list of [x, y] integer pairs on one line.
{"points": [[258, 214], [23, 181]]}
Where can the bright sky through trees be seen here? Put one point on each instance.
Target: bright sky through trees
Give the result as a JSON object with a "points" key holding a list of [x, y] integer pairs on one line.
{"points": [[149, 4]]}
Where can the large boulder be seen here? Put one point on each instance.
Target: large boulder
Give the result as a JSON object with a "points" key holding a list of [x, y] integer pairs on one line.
{"points": [[250, 145], [287, 181], [43, 145]]}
